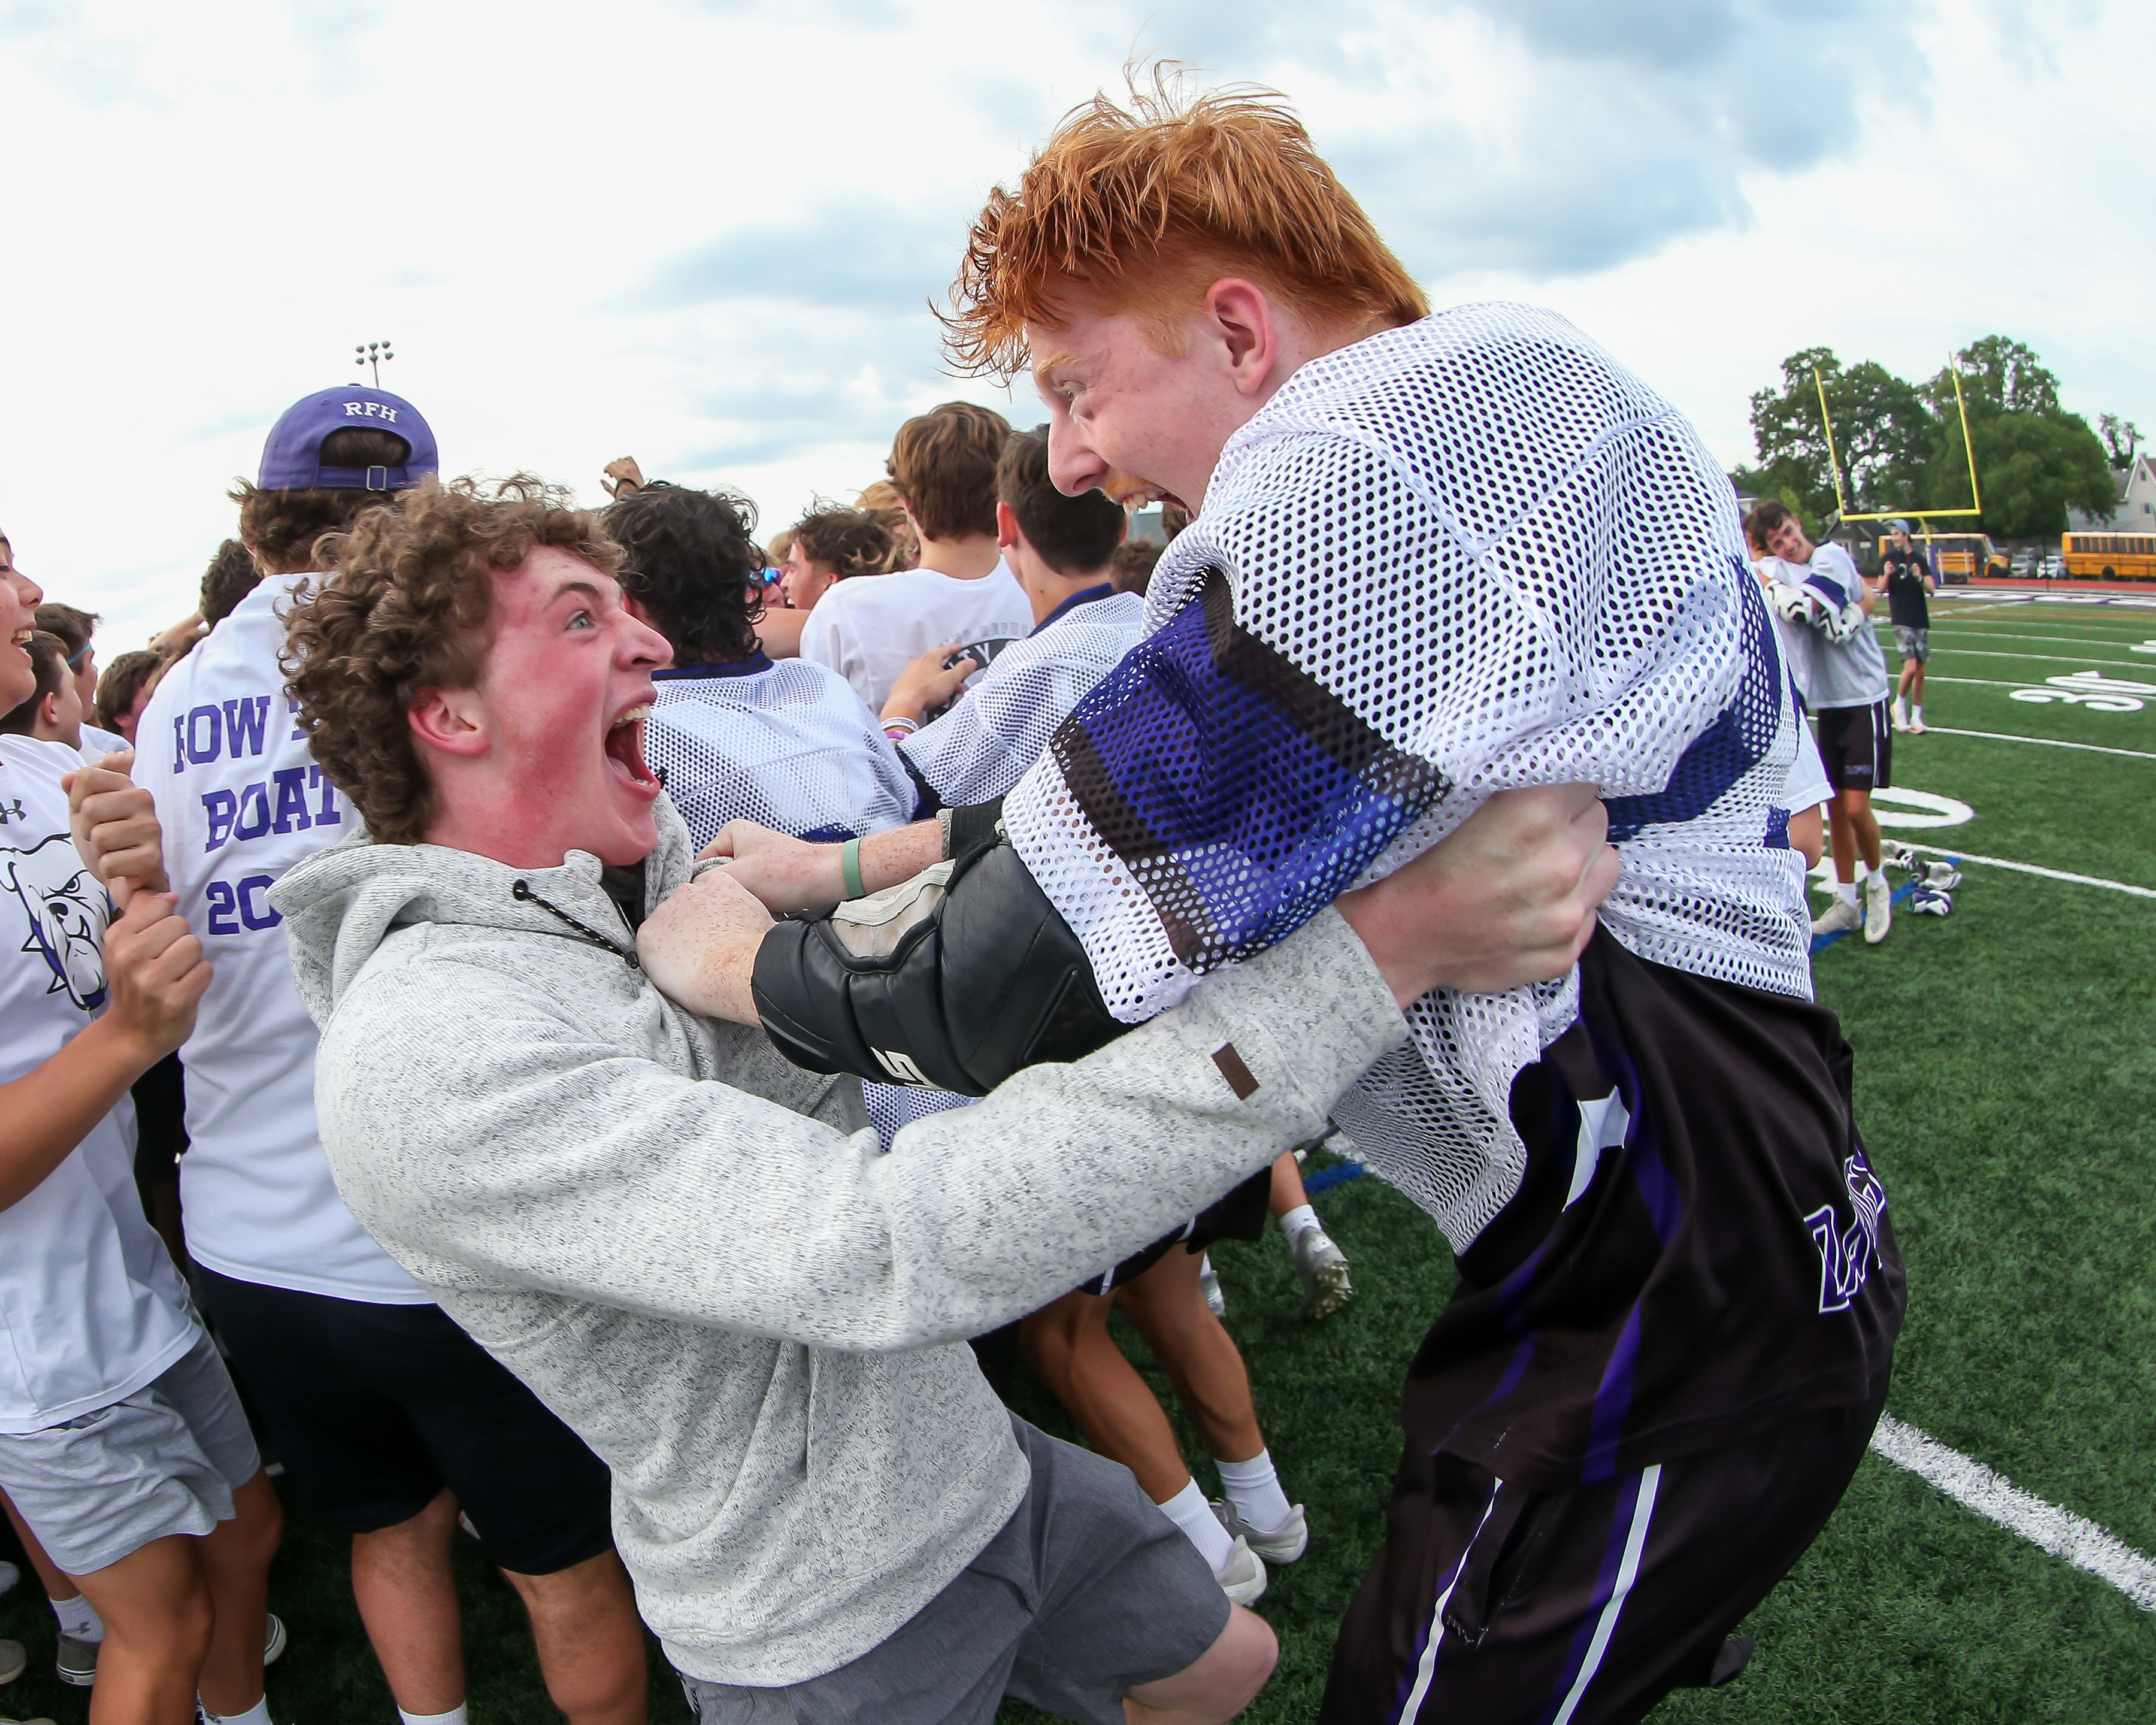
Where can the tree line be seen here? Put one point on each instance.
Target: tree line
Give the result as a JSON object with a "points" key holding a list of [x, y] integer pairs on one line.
{"points": [[1901, 447]]}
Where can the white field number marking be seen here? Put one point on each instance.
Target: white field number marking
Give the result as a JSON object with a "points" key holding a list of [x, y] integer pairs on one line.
{"points": [[2091, 689]]}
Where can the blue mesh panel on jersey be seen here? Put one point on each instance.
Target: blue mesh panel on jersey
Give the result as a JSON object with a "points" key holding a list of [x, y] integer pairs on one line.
{"points": [[1242, 794], [1736, 742]]}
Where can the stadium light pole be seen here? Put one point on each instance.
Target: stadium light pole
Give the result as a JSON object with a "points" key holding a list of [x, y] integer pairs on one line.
{"points": [[371, 353]]}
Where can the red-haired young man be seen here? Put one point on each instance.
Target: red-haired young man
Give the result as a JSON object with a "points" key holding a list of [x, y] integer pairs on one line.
{"points": [[1434, 558]]}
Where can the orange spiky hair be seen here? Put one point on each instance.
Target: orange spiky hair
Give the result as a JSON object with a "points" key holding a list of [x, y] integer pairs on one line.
{"points": [[1147, 207]]}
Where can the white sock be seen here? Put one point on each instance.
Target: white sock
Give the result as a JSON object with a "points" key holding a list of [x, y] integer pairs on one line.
{"points": [[455, 1716], [1296, 1220], [1916, 714], [1190, 1511], [1254, 1488], [79, 1619], [259, 1714], [1846, 891]]}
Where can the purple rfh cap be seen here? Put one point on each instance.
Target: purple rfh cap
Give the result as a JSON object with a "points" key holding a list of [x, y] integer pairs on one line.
{"points": [[292, 457]]}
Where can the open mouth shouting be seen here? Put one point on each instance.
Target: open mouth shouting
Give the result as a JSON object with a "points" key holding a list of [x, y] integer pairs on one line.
{"points": [[625, 750], [1127, 491]]}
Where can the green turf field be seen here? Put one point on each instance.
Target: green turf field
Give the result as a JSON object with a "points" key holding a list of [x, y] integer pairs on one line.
{"points": [[2006, 1058]]}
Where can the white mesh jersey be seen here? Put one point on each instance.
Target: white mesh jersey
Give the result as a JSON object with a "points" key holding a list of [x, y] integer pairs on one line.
{"points": [[787, 744], [1466, 556], [983, 747]]}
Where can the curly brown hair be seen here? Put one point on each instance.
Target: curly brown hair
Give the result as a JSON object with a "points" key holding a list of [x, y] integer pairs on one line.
{"points": [[407, 605], [846, 541]]}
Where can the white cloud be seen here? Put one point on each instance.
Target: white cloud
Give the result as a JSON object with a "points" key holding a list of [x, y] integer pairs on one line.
{"points": [[704, 233]]}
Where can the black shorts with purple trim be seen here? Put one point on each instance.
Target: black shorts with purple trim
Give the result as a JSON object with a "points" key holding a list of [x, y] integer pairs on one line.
{"points": [[1698, 1263], [1857, 745], [1586, 1604]]}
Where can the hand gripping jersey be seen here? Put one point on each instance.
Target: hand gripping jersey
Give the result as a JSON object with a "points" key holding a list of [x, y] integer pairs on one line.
{"points": [[983, 747], [788, 745], [1466, 556]]}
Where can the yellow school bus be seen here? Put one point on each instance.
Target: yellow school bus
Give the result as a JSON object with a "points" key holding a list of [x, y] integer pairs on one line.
{"points": [[2110, 557], [1962, 556]]}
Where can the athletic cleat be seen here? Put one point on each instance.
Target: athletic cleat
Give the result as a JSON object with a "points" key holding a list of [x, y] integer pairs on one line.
{"points": [[1917, 727], [1209, 1283], [1840, 918], [274, 1641], [1242, 1577], [1929, 901], [1323, 1268], [75, 1664], [1878, 908], [1285, 1544], [1901, 718], [1943, 875]]}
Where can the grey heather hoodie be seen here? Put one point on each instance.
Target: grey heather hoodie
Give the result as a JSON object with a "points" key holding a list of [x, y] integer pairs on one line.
{"points": [[694, 1253]]}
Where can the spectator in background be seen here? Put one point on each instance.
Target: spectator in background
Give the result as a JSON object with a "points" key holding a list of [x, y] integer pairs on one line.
{"points": [[881, 499], [738, 737], [52, 713], [1130, 570], [74, 626], [124, 690], [944, 463], [232, 575], [831, 544], [1909, 584]]}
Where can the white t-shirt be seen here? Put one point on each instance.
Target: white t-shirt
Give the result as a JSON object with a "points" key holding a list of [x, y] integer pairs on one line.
{"points": [[241, 801], [90, 1306], [97, 743], [869, 629], [787, 744], [1808, 785]]}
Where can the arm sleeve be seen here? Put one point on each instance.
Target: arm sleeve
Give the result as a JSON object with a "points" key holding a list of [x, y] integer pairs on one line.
{"points": [[494, 1142]]}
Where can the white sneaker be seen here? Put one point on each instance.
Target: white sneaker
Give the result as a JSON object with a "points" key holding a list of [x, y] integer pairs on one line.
{"points": [[1242, 1577], [1878, 908], [1840, 918], [1917, 727], [1285, 1544], [1900, 717], [1209, 1283], [274, 1641], [1323, 1268]]}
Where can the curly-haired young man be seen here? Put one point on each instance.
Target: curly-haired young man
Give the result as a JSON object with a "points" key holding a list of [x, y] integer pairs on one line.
{"points": [[697, 1253], [390, 1419], [1433, 557]]}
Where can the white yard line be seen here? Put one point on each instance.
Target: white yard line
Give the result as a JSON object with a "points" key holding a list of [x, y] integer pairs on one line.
{"points": [[2001, 682], [2081, 1542], [2022, 867], [2141, 664], [2000, 634], [2049, 742]]}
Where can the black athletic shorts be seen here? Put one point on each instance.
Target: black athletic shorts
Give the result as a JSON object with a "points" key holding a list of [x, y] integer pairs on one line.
{"points": [[1589, 1603], [1240, 1215], [1857, 745], [373, 1410]]}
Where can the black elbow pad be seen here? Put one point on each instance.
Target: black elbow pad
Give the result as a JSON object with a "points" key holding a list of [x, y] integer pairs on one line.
{"points": [[955, 979]]}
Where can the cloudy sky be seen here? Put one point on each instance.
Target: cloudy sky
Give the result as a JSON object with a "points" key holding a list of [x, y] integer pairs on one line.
{"points": [[704, 231]]}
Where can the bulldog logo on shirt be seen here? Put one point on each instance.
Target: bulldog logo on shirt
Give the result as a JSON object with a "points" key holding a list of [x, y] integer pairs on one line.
{"points": [[64, 905]]}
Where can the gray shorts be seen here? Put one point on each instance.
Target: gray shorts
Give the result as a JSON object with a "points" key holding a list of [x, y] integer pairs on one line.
{"points": [[163, 1460], [1088, 1591], [1914, 643]]}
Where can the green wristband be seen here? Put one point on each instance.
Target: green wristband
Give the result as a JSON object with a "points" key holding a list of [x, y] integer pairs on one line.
{"points": [[850, 868]]}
